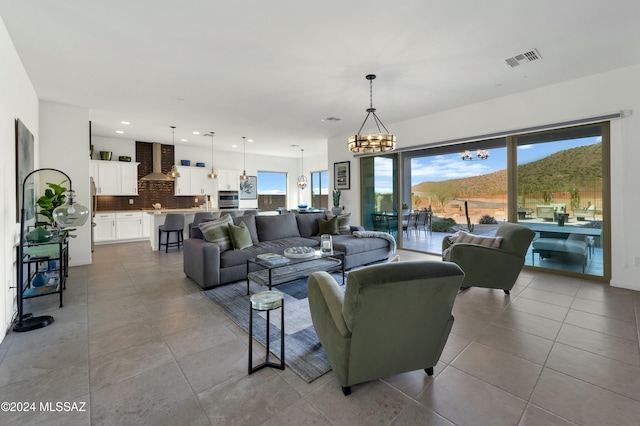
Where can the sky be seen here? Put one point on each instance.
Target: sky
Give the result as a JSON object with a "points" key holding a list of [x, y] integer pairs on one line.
{"points": [[276, 183], [444, 167]]}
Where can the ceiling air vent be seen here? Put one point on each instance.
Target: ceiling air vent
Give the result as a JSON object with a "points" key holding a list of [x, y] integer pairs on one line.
{"points": [[530, 56]]}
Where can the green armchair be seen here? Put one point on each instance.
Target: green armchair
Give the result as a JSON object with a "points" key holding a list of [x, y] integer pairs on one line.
{"points": [[391, 318], [491, 267]]}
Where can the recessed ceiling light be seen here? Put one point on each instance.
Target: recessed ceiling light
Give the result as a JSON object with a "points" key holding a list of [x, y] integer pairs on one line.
{"points": [[126, 123], [184, 140], [119, 131], [249, 140], [331, 119], [234, 146], [195, 132]]}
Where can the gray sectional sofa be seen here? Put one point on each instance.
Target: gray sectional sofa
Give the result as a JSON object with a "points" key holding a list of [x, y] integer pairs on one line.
{"points": [[208, 267]]}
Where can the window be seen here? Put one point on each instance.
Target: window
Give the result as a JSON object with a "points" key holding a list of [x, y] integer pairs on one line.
{"points": [[555, 182], [320, 189], [272, 190]]}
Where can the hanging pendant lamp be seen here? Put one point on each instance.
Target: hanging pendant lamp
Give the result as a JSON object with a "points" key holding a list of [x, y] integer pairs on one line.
{"points": [[244, 176], [302, 179], [372, 142], [214, 173], [173, 173]]}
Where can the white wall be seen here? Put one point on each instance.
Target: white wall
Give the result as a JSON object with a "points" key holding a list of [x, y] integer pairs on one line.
{"points": [[64, 145], [118, 147], [603, 93], [18, 99]]}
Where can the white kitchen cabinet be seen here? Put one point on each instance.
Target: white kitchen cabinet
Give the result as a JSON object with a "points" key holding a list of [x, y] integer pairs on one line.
{"points": [[115, 177], [146, 225], [129, 178], [128, 226], [228, 180], [193, 181], [105, 229]]}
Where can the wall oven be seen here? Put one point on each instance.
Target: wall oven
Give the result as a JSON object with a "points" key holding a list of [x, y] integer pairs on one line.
{"points": [[227, 199]]}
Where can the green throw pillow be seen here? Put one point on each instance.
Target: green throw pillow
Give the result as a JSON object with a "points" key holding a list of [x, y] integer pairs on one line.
{"points": [[240, 236], [344, 222], [217, 231], [329, 226]]}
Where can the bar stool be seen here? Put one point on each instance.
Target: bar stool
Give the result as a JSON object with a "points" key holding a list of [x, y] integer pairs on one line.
{"points": [[174, 222], [266, 301], [200, 216]]}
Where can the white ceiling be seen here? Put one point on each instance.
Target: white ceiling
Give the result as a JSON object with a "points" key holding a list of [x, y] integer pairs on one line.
{"points": [[272, 70]]}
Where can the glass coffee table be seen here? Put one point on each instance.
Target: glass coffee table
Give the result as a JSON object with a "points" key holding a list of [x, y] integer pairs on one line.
{"points": [[271, 274]]}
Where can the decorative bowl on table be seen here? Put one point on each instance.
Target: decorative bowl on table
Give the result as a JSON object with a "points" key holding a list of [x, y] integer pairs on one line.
{"points": [[302, 206], [299, 252]]}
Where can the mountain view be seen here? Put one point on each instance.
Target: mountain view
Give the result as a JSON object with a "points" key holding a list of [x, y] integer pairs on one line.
{"points": [[577, 168]]}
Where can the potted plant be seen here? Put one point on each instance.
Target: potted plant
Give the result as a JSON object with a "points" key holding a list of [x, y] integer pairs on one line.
{"points": [[336, 210], [53, 197]]}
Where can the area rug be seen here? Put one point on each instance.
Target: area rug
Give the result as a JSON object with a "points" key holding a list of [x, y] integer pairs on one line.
{"points": [[303, 352]]}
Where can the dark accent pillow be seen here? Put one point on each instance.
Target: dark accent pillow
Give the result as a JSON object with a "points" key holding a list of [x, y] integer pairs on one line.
{"points": [[308, 223], [277, 227], [240, 236], [328, 226]]}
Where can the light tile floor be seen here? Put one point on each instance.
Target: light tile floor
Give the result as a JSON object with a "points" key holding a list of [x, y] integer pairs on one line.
{"points": [[139, 344]]}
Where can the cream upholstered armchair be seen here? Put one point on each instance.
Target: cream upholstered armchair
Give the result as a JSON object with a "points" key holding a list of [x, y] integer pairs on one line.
{"points": [[391, 318], [491, 262]]}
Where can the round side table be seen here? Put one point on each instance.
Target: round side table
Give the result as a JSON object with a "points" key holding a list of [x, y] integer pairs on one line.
{"points": [[266, 301]]}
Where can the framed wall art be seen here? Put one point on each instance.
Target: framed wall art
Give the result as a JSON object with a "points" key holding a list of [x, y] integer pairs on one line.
{"points": [[24, 165], [249, 189], [342, 175]]}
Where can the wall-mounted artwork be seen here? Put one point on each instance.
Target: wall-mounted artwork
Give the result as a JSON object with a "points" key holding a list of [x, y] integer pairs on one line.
{"points": [[342, 175], [249, 188], [25, 164]]}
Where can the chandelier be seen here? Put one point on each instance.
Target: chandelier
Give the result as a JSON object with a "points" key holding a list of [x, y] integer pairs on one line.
{"points": [[173, 173], [213, 173], [244, 176], [302, 179], [372, 142], [481, 154]]}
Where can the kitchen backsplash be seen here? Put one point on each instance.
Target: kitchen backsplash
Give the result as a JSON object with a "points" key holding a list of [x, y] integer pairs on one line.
{"points": [[149, 192]]}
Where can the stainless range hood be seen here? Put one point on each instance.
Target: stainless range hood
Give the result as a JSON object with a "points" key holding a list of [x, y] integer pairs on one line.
{"points": [[157, 166]]}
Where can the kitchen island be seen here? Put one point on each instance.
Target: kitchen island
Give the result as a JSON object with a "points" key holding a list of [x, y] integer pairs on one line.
{"points": [[159, 215]]}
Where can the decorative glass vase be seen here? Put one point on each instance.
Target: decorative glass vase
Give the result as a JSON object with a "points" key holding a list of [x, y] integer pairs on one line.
{"points": [[39, 235], [38, 280], [70, 213], [326, 244]]}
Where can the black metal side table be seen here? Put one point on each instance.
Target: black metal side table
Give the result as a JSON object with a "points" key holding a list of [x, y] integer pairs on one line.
{"points": [[266, 301]]}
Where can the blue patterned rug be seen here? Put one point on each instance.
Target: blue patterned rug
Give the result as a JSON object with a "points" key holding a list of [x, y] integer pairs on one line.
{"points": [[303, 352]]}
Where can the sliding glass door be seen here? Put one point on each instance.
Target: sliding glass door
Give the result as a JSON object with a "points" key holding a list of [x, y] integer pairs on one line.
{"points": [[380, 191], [555, 182], [561, 176]]}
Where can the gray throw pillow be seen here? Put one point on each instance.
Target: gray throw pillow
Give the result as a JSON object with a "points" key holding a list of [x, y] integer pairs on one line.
{"points": [[217, 232], [344, 223]]}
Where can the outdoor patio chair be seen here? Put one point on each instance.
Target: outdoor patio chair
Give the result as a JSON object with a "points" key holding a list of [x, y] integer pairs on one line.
{"points": [[411, 224], [424, 222]]}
